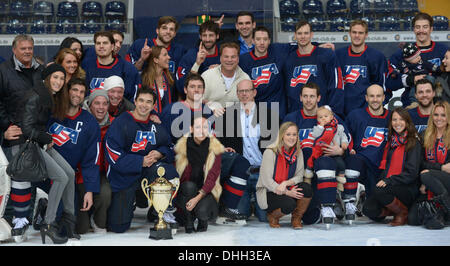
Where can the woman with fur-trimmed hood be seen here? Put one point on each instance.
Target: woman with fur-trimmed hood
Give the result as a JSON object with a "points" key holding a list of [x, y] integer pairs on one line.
{"points": [[198, 162]]}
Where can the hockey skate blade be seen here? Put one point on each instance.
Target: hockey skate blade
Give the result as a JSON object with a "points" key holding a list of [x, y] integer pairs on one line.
{"points": [[228, 221], [5, 230], [20, 239]]}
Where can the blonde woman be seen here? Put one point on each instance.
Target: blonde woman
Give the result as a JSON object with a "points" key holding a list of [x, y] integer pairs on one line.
{"points": [[280, 188], [435, 176], [68, 59], [157, 76]]}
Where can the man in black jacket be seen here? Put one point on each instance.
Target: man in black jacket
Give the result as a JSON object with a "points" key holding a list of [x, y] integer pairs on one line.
{"points": [[247, 128], [17, 76]]}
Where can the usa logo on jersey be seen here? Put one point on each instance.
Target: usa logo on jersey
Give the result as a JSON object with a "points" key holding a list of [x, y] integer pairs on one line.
{"points": [[142, 139], [302, 74], [373, 136], [262, 74], [303, 135], [61, 134], [352, 73], [96, 83]]}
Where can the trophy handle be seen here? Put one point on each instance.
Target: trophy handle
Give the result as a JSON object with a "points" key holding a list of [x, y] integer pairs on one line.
{"points": [[176, 190], [144, 186]]}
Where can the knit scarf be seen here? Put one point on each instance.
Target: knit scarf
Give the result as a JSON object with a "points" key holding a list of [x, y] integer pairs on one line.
{"points": [[397, 160], [167, 94], [285, 165], [197, 155]]}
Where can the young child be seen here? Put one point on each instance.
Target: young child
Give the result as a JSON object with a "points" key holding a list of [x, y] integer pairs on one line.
{"points": [[412, 66], [326, 132]]}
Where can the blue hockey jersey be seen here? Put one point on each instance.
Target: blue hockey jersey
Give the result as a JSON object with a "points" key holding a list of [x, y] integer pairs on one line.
{"points": [[433, 54], [77, 139], [321, 67], [181, 114], [419, 120], [369, 133], [305, 126], [359, 72], [127, 141], [97, 73], [188, 60], [266, 74]]}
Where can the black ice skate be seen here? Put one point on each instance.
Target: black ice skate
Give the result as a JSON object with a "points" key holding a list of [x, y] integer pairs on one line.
{"points": [[18, 233], [350, 210], [229, 216], [328, 215]]}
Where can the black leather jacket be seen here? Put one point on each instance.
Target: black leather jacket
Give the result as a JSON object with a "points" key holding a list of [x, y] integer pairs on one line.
{"points": [[35, 112]]}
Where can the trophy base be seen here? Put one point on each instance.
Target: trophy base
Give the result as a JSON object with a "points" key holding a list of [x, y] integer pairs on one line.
{"points": [[160, 234]]}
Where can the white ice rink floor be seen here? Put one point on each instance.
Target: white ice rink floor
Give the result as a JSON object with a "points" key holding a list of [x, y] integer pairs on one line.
{"points": [[363, 232]]}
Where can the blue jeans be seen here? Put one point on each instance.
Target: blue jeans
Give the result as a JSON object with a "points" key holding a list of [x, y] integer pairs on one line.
{"points": [[249, 198]]}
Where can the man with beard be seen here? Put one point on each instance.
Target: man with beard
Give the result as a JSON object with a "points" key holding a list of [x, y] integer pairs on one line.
{"points": [[425, 92], [107, 64], [368, 128], [362, 66], [166, 31], [206, 56], [77, 139], [430, 51]]}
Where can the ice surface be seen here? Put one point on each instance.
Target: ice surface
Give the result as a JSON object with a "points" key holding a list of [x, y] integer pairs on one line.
{"points": [[363, 232]]}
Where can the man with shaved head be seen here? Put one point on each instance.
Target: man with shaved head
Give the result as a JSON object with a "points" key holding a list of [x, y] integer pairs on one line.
{"points": [[368, 128]]}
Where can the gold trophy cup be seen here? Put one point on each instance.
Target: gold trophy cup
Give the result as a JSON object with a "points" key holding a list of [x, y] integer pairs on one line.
{"points": [[159, 194]]}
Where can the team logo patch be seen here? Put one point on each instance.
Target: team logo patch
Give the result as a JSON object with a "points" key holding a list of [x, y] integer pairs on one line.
{"points": [[373, 136], [302, 74], [303, 135], [61, 134], [180, 73], [352, 73], [96, 83], [262, 74], [142, 139], [172, 66]]}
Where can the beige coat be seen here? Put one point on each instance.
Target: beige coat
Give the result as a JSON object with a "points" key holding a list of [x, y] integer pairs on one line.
{"points": [[215, 89], [266, 181], [181, 160]]}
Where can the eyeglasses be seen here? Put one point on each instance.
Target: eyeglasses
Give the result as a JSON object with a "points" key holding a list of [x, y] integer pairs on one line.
{"points": [[244, 91]]}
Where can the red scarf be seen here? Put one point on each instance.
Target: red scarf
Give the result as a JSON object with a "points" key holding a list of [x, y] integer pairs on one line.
{"points": [[397, 144], [284, 162]]}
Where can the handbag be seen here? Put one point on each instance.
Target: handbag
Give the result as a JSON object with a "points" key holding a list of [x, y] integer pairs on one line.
{"points": [[28, 165]]}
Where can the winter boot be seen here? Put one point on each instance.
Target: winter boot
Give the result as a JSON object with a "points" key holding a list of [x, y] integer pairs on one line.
{"points": [[274, 218], [429, 215], [297, 214], [50, 231], [68, 222], [400, 212], [189, 223], [202, 225]]}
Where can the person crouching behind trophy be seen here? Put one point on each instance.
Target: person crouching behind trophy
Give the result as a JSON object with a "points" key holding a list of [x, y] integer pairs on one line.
{"points": [[135, 147], [198, 162]]}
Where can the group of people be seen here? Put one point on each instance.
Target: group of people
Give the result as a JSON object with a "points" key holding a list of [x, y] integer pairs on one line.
{"points": [[241, 125]]}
